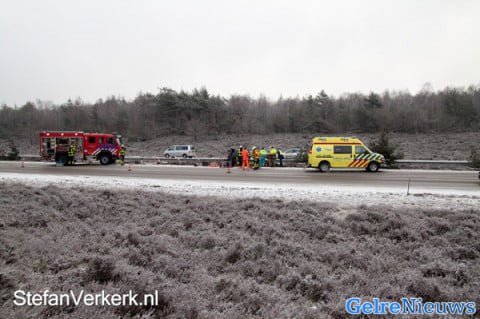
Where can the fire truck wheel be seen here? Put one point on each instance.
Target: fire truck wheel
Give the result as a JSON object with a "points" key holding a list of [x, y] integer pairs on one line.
{"points": [[62, 159], [104, 159]]}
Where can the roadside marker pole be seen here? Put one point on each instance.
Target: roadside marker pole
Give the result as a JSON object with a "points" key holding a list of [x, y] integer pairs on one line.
{"points": [[23, 165], [408, 187], [228, 168], [129, 167]]}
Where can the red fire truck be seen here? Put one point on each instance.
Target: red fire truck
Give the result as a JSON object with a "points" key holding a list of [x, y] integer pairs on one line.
{"points": [[103, 147]]}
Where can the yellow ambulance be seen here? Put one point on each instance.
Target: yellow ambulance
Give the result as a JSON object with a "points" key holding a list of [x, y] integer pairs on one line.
{"points": [[342, 152]]}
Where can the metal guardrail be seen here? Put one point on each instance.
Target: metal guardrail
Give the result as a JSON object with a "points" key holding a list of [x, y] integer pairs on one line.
{"points": [[203, 160], [432, 162]]}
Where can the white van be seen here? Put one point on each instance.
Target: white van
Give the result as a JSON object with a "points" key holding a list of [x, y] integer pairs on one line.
{"points": [[185, 151]]}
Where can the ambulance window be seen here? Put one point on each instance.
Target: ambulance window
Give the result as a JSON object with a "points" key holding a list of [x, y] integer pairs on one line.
{"points": [[91, 139], [360, 150], [342, 149]]}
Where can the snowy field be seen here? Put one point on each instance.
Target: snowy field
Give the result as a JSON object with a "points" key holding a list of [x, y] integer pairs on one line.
{"points": [[232, 249], [292, 254]]}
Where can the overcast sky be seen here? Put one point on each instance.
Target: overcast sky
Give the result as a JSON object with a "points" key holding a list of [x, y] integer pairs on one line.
{"points": [[58, 49]]}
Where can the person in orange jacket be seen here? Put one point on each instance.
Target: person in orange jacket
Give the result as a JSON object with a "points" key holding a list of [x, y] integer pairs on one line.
{"points": [[245, 159]]}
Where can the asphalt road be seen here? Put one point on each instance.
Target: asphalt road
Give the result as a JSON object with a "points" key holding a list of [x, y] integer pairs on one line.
{"points": [[434, 180]]}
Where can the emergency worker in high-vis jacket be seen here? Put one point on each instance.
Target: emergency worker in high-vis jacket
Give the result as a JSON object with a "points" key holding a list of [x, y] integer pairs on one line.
{"points": [[122, 155], [256, 158], [263, 156], [245, 159], [71, 154], [239, 156]]}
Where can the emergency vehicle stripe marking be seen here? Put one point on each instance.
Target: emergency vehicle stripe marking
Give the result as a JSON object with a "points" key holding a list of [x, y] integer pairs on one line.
{"points": [[363, 160], [360, 163], [354, 163]]}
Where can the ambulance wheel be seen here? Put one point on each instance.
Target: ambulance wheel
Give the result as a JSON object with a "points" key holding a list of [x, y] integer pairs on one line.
{"points": [[373, 167], [324, 166], [104, 159]]}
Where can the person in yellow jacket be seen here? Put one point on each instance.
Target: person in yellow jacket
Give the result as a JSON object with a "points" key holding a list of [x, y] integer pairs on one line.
{"points": [[71, 154], [122, 155], [263, 156], [256, 158], [272, 156]]}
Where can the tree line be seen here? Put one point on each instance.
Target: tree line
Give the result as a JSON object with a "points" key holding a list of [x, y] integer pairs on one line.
{"points": [[198, 113]]}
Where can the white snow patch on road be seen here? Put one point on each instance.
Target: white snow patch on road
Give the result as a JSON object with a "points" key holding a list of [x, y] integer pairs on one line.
{"points": [[345, 195]]}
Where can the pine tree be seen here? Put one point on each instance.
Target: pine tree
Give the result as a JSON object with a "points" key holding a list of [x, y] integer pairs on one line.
{"points": [[382, 145], [13, 155]]}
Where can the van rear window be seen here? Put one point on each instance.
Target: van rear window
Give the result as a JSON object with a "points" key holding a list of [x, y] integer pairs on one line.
{"points": [[342, 149]]}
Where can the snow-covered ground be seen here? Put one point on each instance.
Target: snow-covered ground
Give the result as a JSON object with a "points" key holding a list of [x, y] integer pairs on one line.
{"points": [[343, 196]]}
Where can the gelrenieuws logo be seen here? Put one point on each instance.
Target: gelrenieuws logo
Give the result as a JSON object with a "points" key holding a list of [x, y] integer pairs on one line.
{"points": [[408, 306]]}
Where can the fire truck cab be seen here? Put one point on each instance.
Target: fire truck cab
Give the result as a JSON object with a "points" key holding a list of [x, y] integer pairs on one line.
{"points": [[103, 147]]}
